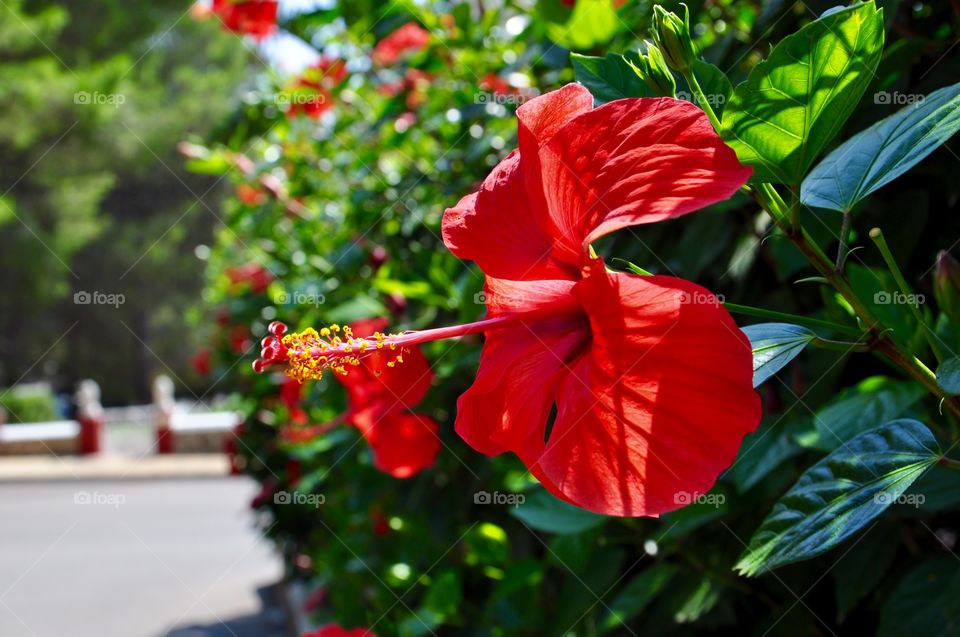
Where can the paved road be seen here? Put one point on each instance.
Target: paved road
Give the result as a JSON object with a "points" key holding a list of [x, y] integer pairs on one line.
{"points": [[151, 558]]}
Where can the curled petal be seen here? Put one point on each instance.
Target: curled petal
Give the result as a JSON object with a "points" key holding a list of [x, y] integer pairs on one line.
{"points": [[634, 161]]}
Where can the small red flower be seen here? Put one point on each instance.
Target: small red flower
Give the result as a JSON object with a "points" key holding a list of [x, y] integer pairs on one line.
{"points": [[201, 361], [650, 377], [249, 17], [312, 93], [250, 195], [251, 274], [409, 38], [332, 630]]}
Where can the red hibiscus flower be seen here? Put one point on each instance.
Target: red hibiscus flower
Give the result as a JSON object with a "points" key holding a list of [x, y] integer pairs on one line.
{"points": [[409, 38], [312, 93], [650, 377], [250, 17], [332, 630]]}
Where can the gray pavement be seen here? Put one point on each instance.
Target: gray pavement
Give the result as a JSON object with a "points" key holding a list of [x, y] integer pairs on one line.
{"points": [[135, 558]]}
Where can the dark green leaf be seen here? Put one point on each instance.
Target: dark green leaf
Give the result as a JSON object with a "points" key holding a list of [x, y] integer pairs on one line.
{"points": [[859, 408], [841, 494], [543, 512], [636, 595], [925, 602], [863, 565], [774, 345], [794, 103], [878, 155], [761, 452]]}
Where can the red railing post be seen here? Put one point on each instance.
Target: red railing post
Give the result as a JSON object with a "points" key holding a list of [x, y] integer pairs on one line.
{"points": [[164, 404], [90, 417]]}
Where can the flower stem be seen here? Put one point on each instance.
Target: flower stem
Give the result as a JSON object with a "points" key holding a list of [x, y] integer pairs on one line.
{"points": [[770, 200], [877, 236]]}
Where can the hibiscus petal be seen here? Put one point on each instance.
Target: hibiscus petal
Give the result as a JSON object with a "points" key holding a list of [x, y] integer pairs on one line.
{"points": [[634, 161], [497, 228], [507, 406], [658, 407], [404, 444]]}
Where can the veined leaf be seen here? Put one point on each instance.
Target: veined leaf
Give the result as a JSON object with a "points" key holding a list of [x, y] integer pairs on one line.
{"points": [[609, 78], [774, 345], [841, 494], [876, 156], [795, 102]]}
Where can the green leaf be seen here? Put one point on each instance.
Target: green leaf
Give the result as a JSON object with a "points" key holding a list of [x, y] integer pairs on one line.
{"points": [[948, 376], [841, 494], [859, 408], [444, 595], [774, 345], [876, 156], [635, 596], [543, 512], [794, 103], [925, 602], [609, 78], [715, 85]]}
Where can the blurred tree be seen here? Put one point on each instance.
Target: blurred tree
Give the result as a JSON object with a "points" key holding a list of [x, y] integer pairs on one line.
{"points": [[95, 97]]}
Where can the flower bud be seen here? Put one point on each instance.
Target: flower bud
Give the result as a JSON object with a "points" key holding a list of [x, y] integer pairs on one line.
{"points": [[672, 35], [946, 285], [653, 70]]}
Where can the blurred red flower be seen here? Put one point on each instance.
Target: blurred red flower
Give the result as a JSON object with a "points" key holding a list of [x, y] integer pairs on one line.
{"points": [[201, 361], [250, 17], [650, 377], [409, 38], [250, 274], [312, 93]]}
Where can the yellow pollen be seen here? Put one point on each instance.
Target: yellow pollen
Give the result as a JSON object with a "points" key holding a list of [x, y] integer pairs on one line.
{"points": [[310, 353]]}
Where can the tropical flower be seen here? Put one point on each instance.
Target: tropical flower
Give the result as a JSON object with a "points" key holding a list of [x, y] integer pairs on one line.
{"points": [[250, 17], [380, 396], [333, 630], [409, 38], [650, 378]]}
